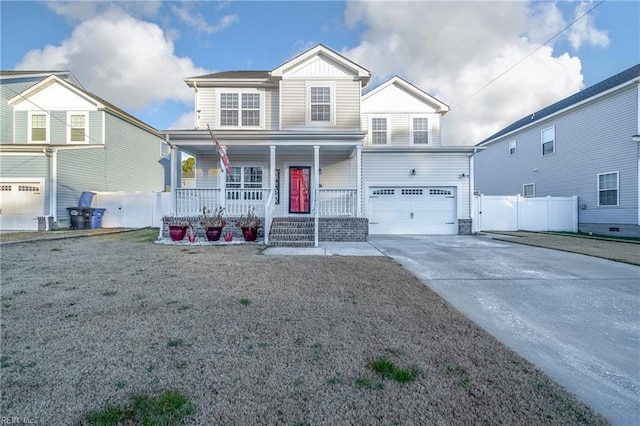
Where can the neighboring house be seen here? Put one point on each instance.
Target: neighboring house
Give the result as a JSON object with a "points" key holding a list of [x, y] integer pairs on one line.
{"points": [[305, 143], [586, 145], [58, 140]]}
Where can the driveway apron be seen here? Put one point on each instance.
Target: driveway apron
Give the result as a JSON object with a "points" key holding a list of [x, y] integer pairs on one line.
{"points": [[576, 317]]}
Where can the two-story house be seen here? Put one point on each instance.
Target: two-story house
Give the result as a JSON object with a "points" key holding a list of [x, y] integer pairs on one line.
{"points": [[58, 140], [585, 145], [308, 149]]}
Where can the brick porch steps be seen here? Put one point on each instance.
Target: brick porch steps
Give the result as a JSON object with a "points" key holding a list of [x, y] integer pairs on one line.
{"points": [[291, 232]]}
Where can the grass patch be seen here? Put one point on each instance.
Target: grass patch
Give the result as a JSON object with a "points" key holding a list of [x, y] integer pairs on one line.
{"points": [[387, 369], [175, 343], [169, 408], [56, 249], [336, 380], [245, 302], [109, 293]]}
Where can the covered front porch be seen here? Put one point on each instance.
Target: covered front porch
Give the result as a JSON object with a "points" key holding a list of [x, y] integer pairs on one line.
{"points": [[298, 176]]}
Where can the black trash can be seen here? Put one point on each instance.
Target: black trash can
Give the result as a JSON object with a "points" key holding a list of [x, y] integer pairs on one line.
{"points": [[80, 217]]}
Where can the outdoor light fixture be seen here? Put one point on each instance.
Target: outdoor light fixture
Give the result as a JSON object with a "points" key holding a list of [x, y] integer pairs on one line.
{"points": [[413, 172], [463, 175]]}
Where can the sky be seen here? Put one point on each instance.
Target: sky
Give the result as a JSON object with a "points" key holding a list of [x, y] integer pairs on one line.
{"points": [[136, 55]]}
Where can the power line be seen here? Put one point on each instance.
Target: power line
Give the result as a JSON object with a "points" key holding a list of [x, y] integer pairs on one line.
{"points": [[530, 53]]}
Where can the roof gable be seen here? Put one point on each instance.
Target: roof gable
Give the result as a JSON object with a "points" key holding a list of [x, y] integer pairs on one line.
{"points": [[321, 61], [54, 93], [612, 83], [400, 95]]}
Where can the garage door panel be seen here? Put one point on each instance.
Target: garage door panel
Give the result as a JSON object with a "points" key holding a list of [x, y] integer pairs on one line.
{"points": [[412, 210], [20, 205]]}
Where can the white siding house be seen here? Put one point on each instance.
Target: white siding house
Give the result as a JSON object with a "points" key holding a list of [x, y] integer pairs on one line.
{"points": [[303, 150], [54, 144], [585, 145]]}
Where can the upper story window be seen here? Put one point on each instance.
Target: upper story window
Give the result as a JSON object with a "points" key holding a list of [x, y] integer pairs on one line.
{"points": [[38, 127], [320, 103], [529, 190], [77, 127], [379, 131], [240, 109], [548, 140], [512, 148], [608, 189], [420, 130]]}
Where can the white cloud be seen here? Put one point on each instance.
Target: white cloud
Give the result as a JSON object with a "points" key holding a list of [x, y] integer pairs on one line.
{"points": [[199, 23], [127, 61], [186, 121], [452, 49], [584, 30], [78, 11]]}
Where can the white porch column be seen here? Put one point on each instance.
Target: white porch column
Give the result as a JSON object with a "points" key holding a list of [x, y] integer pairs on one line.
{"points": [[53, 181], [174, 178], [223, 181], [359, 181], [272, 168], [316, 191]]}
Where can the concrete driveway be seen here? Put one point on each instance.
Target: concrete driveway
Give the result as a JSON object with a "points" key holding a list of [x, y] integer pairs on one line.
{"points": [[576, 317]]}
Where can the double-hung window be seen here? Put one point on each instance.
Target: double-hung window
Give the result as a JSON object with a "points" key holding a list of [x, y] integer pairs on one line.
{"points": [[608, 189], [245, 183], [379, 131], [38, 127], [420, 130], [512, 148], [240, 109], [77, 127], [321, 101], [548, 140], [529, 190]]}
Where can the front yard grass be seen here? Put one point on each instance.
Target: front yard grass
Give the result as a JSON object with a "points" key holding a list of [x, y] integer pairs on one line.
{"points": [[262, 340]]}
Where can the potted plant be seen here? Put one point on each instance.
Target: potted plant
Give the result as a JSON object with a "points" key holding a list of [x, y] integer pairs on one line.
{"points": [[213, 224], [177, 227], [249, 225]]}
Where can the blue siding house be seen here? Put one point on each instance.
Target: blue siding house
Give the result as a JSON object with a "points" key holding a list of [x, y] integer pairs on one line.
{"points": [[58, 140], [587, 145]]}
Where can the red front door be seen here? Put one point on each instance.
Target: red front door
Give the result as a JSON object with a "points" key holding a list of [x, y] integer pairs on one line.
{"points": [[299, 189]]}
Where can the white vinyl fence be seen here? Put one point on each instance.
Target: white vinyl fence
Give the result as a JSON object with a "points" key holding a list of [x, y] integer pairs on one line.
{"points": [[132, 209], [517, 213]]}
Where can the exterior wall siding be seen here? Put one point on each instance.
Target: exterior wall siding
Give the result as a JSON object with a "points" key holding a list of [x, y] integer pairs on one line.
{"points": [[95, 127], [21, 127], [58, 127], [207, 103], [400, 128], [591, 139], [9, 88], [432, 169], [28, 166]]}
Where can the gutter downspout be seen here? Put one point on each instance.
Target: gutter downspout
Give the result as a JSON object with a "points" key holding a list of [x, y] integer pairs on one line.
{"points": [[53, 181]]}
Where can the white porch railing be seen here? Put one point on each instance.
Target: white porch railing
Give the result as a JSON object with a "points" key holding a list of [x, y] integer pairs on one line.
{"points": [[337, 202], [191, 201], [237, 202]]}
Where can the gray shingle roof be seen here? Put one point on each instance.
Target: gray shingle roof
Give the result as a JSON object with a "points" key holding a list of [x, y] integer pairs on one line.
{"points": [[235, 74], [587, 93]]}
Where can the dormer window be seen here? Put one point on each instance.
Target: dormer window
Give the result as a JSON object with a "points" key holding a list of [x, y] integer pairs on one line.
{"points": [[240, 109]]}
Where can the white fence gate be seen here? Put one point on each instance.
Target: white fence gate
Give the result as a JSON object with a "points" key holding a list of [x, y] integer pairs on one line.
{"points": [[133, 209], [517, 213]]}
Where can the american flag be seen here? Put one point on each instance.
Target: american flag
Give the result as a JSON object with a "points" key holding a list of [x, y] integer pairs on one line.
{"points": [[223, 155]]}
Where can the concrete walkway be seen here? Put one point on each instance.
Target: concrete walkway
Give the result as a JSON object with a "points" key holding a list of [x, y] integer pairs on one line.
{"points": [[327, 249]]}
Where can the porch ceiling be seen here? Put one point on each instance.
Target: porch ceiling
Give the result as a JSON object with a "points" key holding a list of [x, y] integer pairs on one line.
{"points": [[302, 149]]}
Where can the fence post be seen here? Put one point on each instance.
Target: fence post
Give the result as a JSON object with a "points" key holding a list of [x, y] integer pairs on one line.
{"points": [[575, 213]]}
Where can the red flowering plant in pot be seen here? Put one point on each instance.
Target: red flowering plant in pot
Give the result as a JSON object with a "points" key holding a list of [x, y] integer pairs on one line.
{"points": [[213, 224], [249, 225]]}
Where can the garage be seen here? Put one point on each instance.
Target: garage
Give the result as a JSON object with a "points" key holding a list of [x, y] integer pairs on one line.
{"points": [[409, 210], [20, 205]]}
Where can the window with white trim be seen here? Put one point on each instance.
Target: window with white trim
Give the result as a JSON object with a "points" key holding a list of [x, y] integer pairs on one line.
{"points": [[77, 123], [420, 130], [512, 148], [548, 140], [38, 127], [320, 103], [240, 109], [245, 183], [529, 190], [608, 193], [379, 131]]}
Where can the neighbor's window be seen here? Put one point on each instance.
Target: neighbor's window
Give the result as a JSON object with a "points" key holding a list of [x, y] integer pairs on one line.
{"points": [[245, 183], [420, 130], [548, 141], [38, 127], [608, 189], [378, 131], [77, 128], [529, 190], [512, 148]]}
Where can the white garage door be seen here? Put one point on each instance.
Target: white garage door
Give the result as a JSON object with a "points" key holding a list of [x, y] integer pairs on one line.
{"points": [[412, 210], [20, 205]]}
